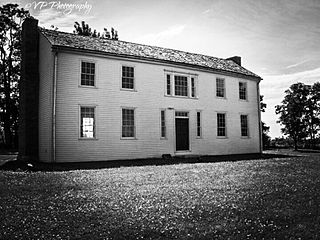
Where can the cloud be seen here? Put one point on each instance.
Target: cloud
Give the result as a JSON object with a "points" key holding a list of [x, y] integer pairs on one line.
{"points": [[297, 64], [273, 87], [154, 38]]}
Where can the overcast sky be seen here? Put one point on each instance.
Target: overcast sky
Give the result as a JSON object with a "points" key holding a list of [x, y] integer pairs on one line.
{"points": [[278, 40]]}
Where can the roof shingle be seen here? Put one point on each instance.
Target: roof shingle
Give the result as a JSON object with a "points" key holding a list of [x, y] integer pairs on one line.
{"points": [[122, 48]]}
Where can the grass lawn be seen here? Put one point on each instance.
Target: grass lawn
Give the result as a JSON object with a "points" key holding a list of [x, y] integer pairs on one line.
{"points": [[271, 198]]}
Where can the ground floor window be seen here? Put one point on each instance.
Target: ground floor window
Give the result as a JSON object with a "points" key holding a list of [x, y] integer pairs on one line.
{"points": [[244, 125], [163, 124], [221, 124], [199, 128], [87, 119], [128, 126]]}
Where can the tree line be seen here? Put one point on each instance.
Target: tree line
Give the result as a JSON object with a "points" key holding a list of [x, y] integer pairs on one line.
{"points": [[11, 19], [300, 113]]}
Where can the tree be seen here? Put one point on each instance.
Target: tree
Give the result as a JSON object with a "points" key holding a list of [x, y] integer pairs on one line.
{"points": [[84, 30], [292, 112], [265, 129], [312, 112], [11, 18]]}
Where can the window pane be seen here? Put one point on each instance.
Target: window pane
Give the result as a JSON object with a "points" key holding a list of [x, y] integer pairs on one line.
{"points": [[168, 84], [87, 73], [180, 86], [87, 128], [221, 124], [243, 90], [198, 124], [128, 128], [220, 87], [163, 124], [193, 88], [127, 77], [244, 125]]}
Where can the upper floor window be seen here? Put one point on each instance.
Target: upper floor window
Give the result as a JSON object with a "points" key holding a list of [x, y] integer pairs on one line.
{"points": [[181, 85], [87, 122], [221, 125], [168, 84], [87, 73], [220, 88], [128, 126], [244, 125], [193, 87], [243, 90], [127, 77]]}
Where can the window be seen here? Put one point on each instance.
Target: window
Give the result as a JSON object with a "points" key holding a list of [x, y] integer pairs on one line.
{"points": [[193, 88], [220, 89], [244, 125], [87, 118], [221, 124], [87, 73], [243, 90], [168, 84], [127, 77], [182, 114], [163, 124], [128, 128], [184, 85], [199, 132], [180, 86]]}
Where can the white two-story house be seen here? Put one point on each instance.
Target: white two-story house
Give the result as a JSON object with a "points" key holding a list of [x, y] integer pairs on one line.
{"points": [[93, 99]]}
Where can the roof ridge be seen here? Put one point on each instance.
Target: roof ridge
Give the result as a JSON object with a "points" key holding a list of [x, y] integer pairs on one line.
{"points": [[124, 48], [141, 44]]}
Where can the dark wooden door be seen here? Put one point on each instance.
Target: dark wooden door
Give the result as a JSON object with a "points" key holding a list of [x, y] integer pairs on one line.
{"points": [[182, 134]]}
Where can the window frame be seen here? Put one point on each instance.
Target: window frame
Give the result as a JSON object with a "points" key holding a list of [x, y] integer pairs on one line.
{"points": [[241, 92], [163, 124], [84, 60], [94, 123], [134, 78], [192, 89], [225, 125], [199, 124], [224, 87], [247, 126], [134, 123]]}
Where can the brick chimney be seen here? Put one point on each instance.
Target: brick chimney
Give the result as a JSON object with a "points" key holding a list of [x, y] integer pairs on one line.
{"points": [[29, 92], [236, 59]]}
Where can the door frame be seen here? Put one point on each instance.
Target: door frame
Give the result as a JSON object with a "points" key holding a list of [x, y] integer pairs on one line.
{"points": [[175, 135]]}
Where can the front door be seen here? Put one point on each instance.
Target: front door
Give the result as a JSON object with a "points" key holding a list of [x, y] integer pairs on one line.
{"points": [[182, 134]]}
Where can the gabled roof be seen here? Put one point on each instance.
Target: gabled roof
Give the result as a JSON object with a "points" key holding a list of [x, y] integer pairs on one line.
{"points": [[145, 52]]}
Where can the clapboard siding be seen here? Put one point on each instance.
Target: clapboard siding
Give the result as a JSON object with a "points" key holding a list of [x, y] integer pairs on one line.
{"points": [[147, 99], [45, 103]]}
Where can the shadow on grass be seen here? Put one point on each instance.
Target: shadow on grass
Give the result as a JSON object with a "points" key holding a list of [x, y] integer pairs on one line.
{"points": [[166, 160]]}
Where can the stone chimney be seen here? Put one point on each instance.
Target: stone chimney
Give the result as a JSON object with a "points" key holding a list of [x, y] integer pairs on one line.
{"points": [[29, 92], [236, 59]]}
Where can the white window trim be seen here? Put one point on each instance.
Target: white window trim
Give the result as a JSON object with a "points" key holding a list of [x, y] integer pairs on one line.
{"points": [[226, 125], [135, 121], [134, 78], [95, 122], [95, 72]]}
